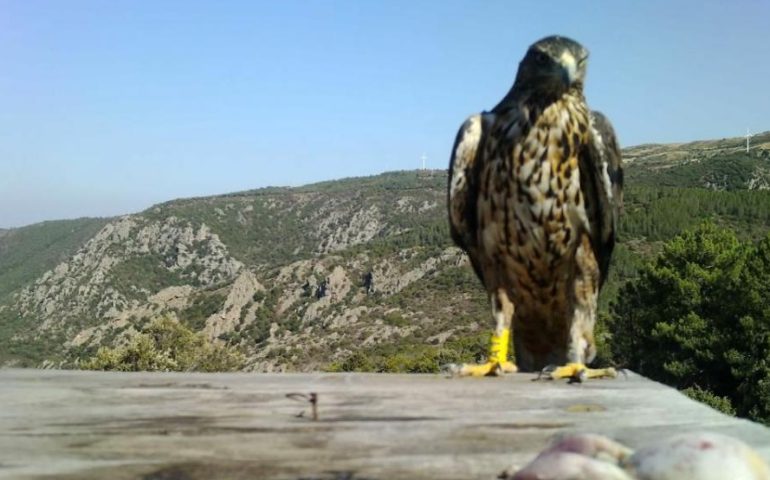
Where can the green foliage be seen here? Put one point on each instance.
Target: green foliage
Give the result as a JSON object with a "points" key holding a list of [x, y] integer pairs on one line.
{"points": [[698, 318], [167, 346], [21, 347], [356, 362], [395, 319], [258, 296], [202, 307], [722, 404], [726, 171], [27, 252], [659, 213], [410, 357], [146, 272], [257, 331]]}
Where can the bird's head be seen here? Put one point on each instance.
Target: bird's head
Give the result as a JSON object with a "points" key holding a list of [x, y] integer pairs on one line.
{"points": [[551, 67]]}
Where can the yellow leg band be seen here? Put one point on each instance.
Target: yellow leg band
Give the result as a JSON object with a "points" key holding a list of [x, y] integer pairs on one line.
{"points": [[497, 362], [498, 347]]}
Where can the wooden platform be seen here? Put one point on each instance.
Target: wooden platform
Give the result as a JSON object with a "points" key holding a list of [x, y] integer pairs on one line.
{"points": [[89, 425]]}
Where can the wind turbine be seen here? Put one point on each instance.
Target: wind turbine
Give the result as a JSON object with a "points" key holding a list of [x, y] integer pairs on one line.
{"points": [[423, 158], [748, 139]]}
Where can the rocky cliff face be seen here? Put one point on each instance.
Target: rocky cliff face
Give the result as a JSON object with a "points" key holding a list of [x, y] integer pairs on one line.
{"points": [[298, 278], [130, 270]]}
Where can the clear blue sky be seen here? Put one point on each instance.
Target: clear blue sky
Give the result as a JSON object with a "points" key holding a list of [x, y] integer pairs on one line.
{"points": [[109, 106]]}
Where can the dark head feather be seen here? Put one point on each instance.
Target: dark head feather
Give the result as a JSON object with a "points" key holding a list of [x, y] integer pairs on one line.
{"points": [[551, 67]]}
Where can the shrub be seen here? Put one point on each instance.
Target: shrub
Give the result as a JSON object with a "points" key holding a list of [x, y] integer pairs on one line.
{"points": [[166, 345], [414, 357]]}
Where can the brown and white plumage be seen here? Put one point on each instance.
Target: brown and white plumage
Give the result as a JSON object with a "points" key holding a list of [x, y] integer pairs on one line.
{"points": [[535, 186]]}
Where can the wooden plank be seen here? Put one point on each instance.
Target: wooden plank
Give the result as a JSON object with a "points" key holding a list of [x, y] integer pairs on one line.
{"points": [[151, 426]]}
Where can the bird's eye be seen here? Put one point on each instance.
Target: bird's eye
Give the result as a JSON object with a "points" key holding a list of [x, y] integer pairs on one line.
{"points": [[541, 58]]}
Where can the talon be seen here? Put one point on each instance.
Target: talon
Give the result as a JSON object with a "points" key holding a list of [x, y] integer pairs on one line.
{"points": [[580, 376], [489, 369], [577, 372], [451, 369], [508, 367], [545, 373]]}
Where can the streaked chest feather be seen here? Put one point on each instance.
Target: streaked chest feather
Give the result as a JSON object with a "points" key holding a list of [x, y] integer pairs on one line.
{"points": [[531, 204]]}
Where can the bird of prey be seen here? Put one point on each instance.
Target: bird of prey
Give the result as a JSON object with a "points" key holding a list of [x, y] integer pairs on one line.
{"points": [[535, 186]]}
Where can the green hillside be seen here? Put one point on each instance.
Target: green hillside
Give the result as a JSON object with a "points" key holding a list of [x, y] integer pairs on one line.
{"points": [[27, 252], [357, 273], [732, 171], [716, 165]]}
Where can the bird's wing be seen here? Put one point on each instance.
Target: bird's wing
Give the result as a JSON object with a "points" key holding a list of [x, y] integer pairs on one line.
{"points": [[601, 181], [463, 187]]}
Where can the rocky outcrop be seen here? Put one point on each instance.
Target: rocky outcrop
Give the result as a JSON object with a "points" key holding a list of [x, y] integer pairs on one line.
{"points": [[239, 298], [101, 288], [296, 277], [344, 231]]}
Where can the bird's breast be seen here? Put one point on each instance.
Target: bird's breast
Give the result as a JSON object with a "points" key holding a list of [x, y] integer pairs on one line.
{"points": [[532, 207]]}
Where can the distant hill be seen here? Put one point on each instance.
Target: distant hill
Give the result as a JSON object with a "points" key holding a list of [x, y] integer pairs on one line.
{"points": [[28, 252], [718, 164], [354, 273]]}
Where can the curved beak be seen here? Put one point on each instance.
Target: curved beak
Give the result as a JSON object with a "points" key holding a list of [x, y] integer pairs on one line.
{"points": [[569, 68]]}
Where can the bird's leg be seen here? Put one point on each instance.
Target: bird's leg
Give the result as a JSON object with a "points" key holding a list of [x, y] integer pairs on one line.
{"points": [[498, 361], [581, 348]]}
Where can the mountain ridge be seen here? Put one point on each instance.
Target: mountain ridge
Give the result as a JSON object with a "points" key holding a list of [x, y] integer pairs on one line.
{"points": [[353, 273]]}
